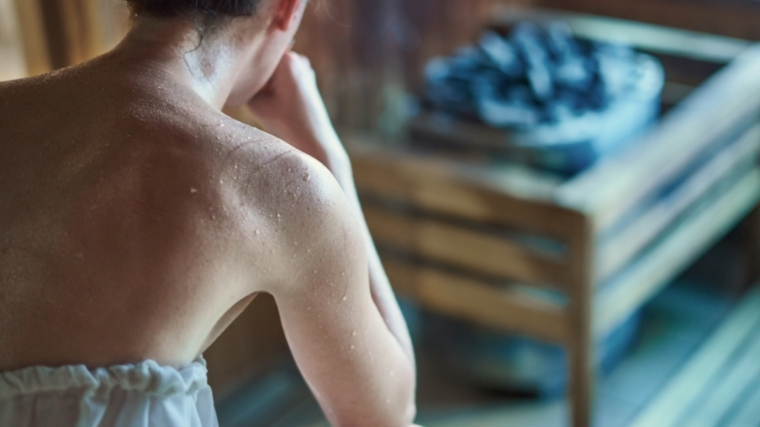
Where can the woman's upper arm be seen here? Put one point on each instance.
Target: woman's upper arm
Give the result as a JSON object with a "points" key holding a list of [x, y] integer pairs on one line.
{"points": [[356, 368]]}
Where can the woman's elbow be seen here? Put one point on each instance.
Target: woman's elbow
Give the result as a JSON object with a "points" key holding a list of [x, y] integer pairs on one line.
{"points": [[410, 414], [408, 410]]}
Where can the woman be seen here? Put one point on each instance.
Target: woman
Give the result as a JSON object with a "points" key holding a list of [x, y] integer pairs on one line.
{"points": [[137, 221]]}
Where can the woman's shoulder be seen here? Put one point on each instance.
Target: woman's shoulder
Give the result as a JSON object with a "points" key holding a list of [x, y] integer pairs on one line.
{"points": [[270, 176]]}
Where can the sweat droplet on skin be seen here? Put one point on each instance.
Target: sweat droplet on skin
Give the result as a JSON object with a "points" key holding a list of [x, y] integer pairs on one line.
{"points": [[193, 190]]}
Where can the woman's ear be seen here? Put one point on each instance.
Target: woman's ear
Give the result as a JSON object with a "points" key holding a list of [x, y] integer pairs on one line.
{"points": [[287, 13]]}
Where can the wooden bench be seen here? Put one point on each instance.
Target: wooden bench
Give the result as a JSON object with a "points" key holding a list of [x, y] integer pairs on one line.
{"points": [[465, 236]]}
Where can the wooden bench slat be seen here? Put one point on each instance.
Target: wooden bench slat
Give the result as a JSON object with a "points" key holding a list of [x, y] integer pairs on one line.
{"points": [[390, 228], [470, 300], [615, 253], [618, 184], [699, 372], [443, 187], [617, 301], [469, 249]]}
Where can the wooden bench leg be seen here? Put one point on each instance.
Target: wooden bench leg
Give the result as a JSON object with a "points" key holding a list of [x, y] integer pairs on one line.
{"points": [[580, 355], [581, 381]]}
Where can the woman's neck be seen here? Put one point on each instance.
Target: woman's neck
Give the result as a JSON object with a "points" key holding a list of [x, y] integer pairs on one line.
{"points": [[175, 49]]}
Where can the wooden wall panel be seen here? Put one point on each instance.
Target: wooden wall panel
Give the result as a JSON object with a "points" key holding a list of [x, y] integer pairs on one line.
{"points": [[12, 61], [369, 53]]}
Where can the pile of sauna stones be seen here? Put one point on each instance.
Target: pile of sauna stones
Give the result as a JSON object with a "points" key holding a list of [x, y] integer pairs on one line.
{"points": [[536, 75]]}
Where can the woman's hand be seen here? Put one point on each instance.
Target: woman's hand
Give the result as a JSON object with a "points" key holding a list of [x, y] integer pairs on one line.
{"points": [[291, 108]]}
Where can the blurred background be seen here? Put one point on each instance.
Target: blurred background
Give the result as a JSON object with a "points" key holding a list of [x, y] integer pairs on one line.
{"points": [[564, 194]]}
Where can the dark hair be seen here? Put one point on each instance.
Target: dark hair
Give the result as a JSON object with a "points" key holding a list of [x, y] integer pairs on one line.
{"points": [[206, 8]]}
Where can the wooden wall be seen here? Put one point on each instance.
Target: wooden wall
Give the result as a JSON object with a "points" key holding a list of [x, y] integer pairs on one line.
{"points": [[12, 64], [368, 53]]}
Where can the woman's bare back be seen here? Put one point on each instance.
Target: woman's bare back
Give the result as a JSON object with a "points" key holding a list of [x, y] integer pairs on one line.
{"points": [[127, 205]]}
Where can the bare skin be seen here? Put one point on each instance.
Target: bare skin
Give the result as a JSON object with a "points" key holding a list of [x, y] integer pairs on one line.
{"points": [[137, 221]]}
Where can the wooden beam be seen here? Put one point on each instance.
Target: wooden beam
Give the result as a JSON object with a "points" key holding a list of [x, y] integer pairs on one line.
{"points": [[617, 301], [470, 300]]}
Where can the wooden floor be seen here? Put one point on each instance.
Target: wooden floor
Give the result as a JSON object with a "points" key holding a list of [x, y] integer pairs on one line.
{"points": [[720, 384], [696, 363]]}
